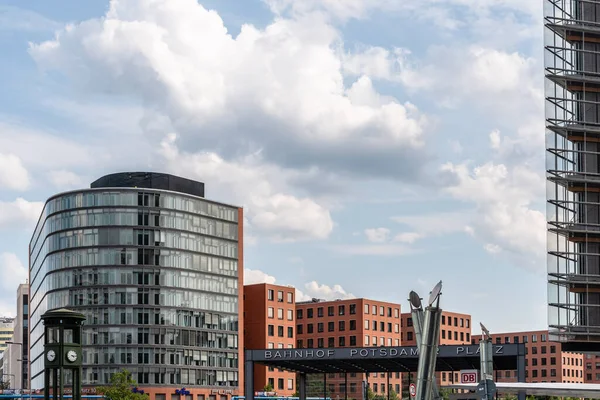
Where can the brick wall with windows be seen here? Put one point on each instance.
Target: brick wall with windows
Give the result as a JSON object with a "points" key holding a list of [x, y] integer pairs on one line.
{"points": [[351, 323], [269, 314], [545, 362]]}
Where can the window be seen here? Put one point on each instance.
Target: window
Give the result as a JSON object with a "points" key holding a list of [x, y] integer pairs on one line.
{"points": [[366, 340], [468, 323], [270, 345], [299, 344], [353, 325], [409, 322], [543, 349], [290, 300], [320, 327], [516, 339], [309, 328], [374, 310], [331, 342], [320, 312], [381, 310], [389, 312], [309, 313], [280, 383], [352, 309], [309, 343], [544, 361], [352, 340], [552, 349], [468, 337], [342, 341], [271, 329], [280, 313], [271, 312], [374, 325], [552, 372], [374, 340], [409, 336], [290, 332], [533, 338], [552, 360], [443, 334], [290, 384], [534, 373], [330, 311], [396, 328], [443, 320], [375, 387], [544, 337], [330, 326], [320, 343], [534, 350], [381, 326], [455, 321], [462, 336], [462, 322], [270, 294], [366, 308], [342, 326], [396, 313], [280, 297], [389, 326], [299, 329], [366, 324], [299, 314], [280, 331], [342, 310], [290, 315]]}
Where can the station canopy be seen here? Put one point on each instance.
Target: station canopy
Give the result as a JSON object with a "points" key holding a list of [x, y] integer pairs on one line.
{"points": [[382, 359]]}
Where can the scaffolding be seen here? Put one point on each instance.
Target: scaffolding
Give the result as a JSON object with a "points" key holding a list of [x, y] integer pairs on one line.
{"points": [[572, 67]]}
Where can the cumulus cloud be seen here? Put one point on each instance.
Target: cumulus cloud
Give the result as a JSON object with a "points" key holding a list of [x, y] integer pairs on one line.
{"points": [[13, 174], [20, 213], [377, 235], [278, 90], [65, 179], [311, 289], [13, 274], [505, 217], [253, 185]]}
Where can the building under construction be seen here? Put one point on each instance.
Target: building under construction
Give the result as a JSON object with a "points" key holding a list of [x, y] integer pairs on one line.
{"points": [[572, 64]]}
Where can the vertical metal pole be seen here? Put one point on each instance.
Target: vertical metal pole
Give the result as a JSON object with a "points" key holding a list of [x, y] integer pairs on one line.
{"points": [[301, 386], [418, 318], [324, 386], [388, 385], [249, 376], [345, 386], [521, 372]]}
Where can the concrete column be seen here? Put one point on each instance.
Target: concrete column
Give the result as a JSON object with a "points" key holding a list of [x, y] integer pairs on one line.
{"points": [[249, 377], [302, 386]]}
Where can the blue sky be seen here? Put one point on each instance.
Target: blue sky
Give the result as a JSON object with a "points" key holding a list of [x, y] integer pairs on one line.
{"points": [[377, 146]]}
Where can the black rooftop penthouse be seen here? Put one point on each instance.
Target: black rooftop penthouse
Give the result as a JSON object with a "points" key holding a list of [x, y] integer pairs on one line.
{"points": [[377, 359], [150, 180]]}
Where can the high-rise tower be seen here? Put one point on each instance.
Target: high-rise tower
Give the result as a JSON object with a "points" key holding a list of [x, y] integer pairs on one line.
{"points": [[157, 271], [572, 61]]}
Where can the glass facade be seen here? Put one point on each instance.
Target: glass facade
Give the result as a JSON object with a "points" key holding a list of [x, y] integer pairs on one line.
{"points": [[156, 275], [572, 64]]}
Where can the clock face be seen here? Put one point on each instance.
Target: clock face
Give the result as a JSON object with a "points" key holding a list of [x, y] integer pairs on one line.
{"points": [[51, 355], [71, 356]]}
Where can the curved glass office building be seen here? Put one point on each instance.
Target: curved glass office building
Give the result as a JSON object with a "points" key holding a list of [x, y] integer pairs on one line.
{"points": [[157, 270]]}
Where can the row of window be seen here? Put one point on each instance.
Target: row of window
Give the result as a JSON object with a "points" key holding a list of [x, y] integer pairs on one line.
{"points": [[271, 296], [280, 331], [280, 313], [280, 384], [341, 327], [341, 310], [382, 326], [447, 320], [158, 356], [352, 341], [516, 339]]}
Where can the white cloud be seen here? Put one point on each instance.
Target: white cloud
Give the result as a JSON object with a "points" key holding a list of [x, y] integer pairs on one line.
{"points": [[20, 213], [279, 90], [432, 224], [408, 237], [65, 179], [373, 249], [311, 289], [13, 274], [13, 174], [377, 235], [505, 218], [261, 189], [495, 139]]}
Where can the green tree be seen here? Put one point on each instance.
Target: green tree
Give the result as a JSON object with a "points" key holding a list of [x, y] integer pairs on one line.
{"points": [[268, 388], [394, 395], [121, 388], [445, 393]]}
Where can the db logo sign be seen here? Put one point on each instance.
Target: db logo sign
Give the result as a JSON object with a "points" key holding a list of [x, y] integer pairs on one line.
{"points": [[468, 376], [412, 389]]}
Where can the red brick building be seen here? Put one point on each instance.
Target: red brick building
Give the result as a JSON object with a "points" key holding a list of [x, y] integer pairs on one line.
{"points": [[269, 322], [455, 329], [350, 323], [545, 362]]}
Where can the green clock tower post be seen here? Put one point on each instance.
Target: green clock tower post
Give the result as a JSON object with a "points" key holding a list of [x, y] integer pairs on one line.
{"points": [[62, 353]]}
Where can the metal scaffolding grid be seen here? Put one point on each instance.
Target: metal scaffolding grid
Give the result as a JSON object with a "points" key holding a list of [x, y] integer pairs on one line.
{"points": [[572, 67]]}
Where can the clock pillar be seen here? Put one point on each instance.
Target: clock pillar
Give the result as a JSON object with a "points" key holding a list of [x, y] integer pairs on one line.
{"points": [[62, 353]]}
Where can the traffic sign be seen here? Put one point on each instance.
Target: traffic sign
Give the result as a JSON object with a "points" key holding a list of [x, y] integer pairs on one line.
{"points": [[468, 376], [412, 389], [491, 388]]}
